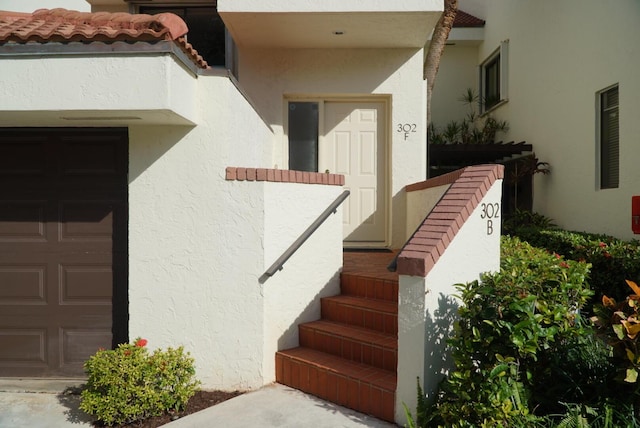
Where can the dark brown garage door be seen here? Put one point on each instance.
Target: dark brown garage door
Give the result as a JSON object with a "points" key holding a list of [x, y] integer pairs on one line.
{"points": [[63, 247]]}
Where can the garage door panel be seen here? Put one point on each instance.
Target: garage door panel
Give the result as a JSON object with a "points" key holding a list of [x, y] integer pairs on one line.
{"points": [[86, 220], [77, 344], [63, 211], [23, 347], [22, 284], [86, 284], [97, 157], [22, 221], [24, 158]]}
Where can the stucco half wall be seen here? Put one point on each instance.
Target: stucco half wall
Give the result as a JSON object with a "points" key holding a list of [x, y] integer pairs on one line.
{"points": [[199, 243], [468, 226]]}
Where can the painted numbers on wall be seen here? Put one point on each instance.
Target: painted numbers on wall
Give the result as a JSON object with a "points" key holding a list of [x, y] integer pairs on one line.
{"points": [[490, 212], [407, 129]]}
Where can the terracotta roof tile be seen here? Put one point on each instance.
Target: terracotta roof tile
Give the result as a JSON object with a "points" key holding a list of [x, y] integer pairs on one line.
{"points": [[62, 25], [463, 19]]}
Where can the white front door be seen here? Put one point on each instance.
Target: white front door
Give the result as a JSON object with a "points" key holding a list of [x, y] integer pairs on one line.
{"points": [[353, 144]]}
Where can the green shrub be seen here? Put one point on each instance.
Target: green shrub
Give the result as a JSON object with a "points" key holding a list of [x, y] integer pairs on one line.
{"points": [[511, 323], [612, 260], [129, 383]]}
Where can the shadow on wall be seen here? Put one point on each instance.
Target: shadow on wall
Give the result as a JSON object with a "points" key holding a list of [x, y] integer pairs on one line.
{"points": [[147, 144], [438, 329], [311, 312]]}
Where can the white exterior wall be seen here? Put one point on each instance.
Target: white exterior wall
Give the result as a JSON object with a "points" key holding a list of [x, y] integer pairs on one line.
{"points": [[427, 307], [269, 76], [198, 244], [458, 72], [32, 5], [292, 295], [196, 240], [560, 55]]}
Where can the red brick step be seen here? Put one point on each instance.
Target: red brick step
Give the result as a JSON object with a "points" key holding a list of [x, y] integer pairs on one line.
{"points": [[358, 386], [358, 344], [350, 356], [380, 315]]}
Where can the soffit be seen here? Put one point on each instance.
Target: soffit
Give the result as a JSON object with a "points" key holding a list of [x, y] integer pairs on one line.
{"points": [[387, 29]]}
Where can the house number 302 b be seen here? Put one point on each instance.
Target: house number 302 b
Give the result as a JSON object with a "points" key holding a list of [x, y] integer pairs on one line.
{"points": [[406, 129], [490, 212]]}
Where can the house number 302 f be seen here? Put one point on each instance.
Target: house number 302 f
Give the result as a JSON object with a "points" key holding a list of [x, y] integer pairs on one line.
{"points": [[489, 212], [406, 129]]}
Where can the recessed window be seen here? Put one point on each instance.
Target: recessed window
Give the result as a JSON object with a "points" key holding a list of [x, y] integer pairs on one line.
{"points": [[207, 33], [609, 131], [303, 136], [493, 78]]}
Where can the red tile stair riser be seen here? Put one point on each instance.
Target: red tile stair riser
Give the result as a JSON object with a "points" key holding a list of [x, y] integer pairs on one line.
{"points": [[351, 366]]}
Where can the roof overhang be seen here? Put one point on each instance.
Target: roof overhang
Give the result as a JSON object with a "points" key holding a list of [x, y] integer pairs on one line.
{"points": [[330, 23], [466, 36], [77, 85]]}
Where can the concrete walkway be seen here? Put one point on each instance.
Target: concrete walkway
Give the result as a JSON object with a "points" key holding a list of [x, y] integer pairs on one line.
{"points": [[44, 404], [277, 406], [41, 403]]}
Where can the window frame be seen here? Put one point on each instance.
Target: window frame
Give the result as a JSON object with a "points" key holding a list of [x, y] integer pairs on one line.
{"points": [[605, 180], [500, 57]]}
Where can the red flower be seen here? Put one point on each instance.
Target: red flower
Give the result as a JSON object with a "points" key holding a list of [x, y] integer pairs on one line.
{"points": [[607, 255], [602, 244], [141, 343], [564, 264], [127, 352], [557, 255]]}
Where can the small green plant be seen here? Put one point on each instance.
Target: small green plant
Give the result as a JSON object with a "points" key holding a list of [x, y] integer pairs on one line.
{"points": [[129, 383], [473, 129], [526, 219], [420, 420], [620, 322], [511, 323]]}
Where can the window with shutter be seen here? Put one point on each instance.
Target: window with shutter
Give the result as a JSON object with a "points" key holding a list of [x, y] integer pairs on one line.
{"points": [[493, 78], [609, 138]]}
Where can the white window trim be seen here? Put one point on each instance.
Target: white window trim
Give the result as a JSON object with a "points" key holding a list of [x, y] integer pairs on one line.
{"points": [[503, 53]]}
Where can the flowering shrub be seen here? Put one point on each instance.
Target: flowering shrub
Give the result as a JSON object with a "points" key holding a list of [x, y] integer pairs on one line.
{"points": [[129, 383], [612, 260], [512, 324]]}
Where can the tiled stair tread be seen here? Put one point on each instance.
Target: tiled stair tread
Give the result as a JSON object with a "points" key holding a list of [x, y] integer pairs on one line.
{"points": [[361, 302], [391, 278], [369, 287], [383, 379], [359, 334]]}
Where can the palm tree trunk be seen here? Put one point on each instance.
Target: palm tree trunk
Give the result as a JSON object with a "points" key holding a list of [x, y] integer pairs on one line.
{"points": [[436, 47]]}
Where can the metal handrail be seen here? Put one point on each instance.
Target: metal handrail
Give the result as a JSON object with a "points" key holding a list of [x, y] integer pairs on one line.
{"points": [[278, 264]]}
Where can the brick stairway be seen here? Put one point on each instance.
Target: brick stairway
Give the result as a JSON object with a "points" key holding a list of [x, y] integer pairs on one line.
{"points": [[350, 355]]}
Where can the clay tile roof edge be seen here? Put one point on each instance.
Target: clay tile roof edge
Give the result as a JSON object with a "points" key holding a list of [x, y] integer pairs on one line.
{"points": [[61, 25], [464, 19]]}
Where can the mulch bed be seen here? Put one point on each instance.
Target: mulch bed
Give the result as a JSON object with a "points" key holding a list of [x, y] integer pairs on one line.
{"points": [[200, 400]]}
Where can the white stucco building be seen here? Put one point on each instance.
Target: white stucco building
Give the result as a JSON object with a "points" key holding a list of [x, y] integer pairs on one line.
{"points": [[564, 74], [158, 158]]}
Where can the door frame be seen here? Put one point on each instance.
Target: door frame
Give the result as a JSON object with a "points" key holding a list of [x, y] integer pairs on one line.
{"points": [[321, 99]]}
